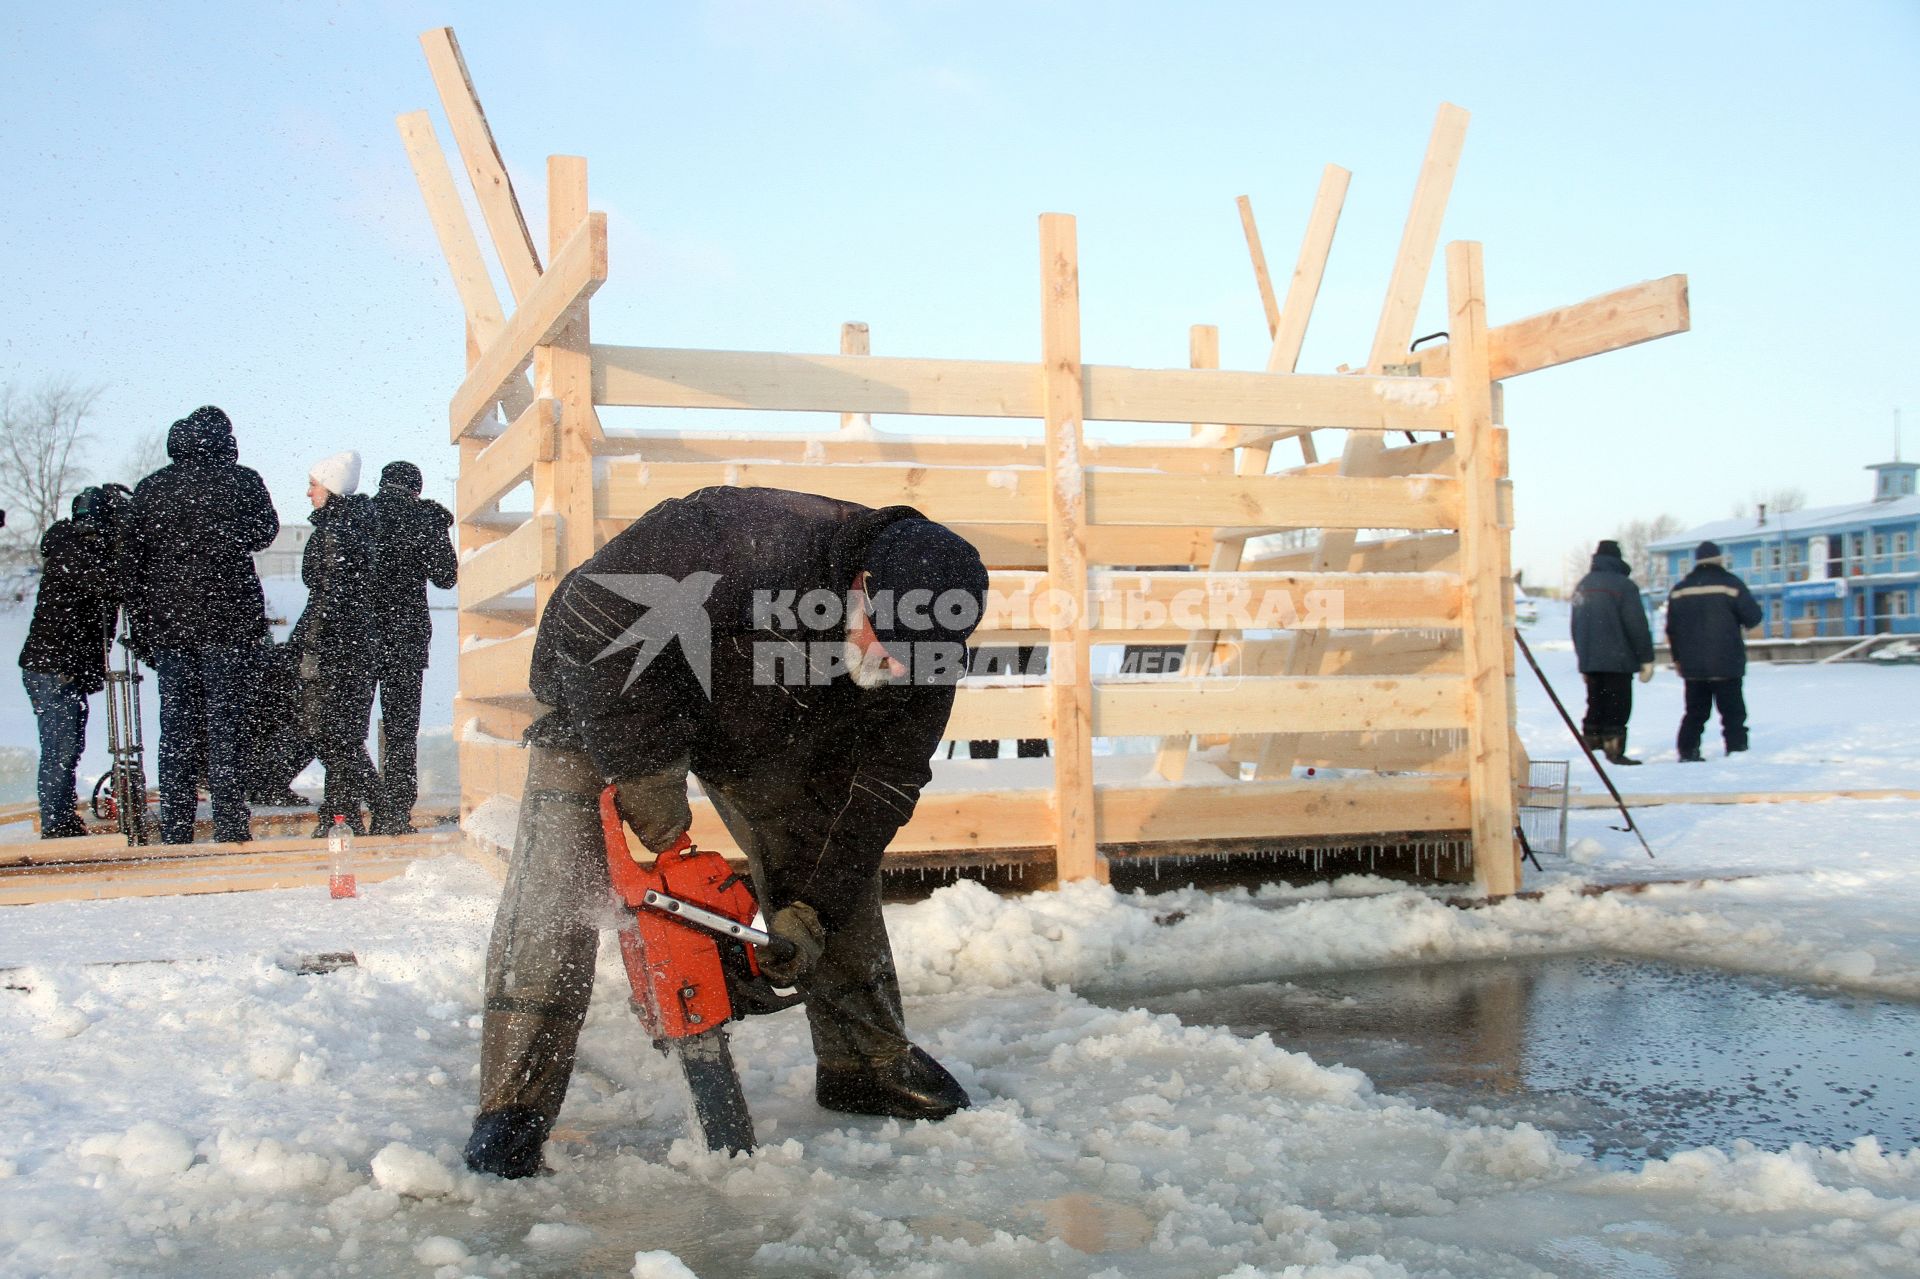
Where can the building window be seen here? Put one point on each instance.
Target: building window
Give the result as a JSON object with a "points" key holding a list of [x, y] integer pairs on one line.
{"points": [[1900, 543], [1879, 546]]}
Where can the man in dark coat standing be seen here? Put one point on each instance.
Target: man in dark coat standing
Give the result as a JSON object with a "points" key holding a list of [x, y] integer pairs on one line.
{"points": [[1612, 640], [1708, 615], [199, 614], [413, 546], [334, 641], [64, 660], [798, 655]]}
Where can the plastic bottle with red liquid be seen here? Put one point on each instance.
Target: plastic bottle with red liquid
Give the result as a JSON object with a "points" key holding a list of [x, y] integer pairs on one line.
{"points": [[340, 881]]}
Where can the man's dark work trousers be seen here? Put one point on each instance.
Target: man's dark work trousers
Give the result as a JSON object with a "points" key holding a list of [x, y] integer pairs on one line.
{"points": [[340, 705], [204, 691], [1609, 704], [545, 938], [1702, 696]]}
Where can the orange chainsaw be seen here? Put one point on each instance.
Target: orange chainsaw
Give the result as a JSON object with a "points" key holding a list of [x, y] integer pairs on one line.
{"points": [[690, 949]]}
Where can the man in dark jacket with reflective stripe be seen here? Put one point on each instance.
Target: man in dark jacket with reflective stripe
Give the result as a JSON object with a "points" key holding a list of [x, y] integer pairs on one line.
{"points": [[1708, 615], [412, 546], [1612, 640], [798, 655], [200, 616], [64, 660]]}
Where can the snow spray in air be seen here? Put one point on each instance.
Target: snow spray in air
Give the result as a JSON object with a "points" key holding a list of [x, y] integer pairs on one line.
{"points": [[340, 882]]}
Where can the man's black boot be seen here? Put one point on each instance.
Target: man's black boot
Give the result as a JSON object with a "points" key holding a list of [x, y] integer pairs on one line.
{"points": [[910, 1086], [507, 1142], [1616, 749]]}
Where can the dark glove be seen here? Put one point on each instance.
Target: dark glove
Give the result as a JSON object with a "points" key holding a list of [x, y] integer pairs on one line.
{"points": [[797, 925], [656, 807], [440, 513]]}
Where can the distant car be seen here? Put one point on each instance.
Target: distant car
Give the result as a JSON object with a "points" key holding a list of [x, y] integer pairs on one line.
{"points": [[1526, 609]]}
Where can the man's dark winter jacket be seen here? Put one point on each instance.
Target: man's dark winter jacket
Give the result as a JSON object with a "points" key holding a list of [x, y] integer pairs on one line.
{"points": [[859, 755], [196, 524], [337, 566], [79, 598], [1707, 615], [411, 547], [1610, 632]]}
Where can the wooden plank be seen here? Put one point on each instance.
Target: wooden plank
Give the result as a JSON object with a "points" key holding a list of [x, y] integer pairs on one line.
{"points": [[1386, 752], [1119, 602], [1392, 334], [558, 300], [1070, 667], [263, 864], [1430, 457], [1414, 553], [1288, 327], [1657, 800], [1261, 502], [450, 226], [496, 670], [1203, 352], [490, 767], [1317, 808], [507, 460], [1002, 711], [492, 188], [1496, 858], [657, 377], [1611, 322], [1148, 708], [949, 494], [827, 449], [1262, 280], [511, 564]]}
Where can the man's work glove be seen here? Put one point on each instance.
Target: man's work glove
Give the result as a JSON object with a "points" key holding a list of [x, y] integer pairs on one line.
{"points": [[798, 926], [1646, 672], [656, 807]]}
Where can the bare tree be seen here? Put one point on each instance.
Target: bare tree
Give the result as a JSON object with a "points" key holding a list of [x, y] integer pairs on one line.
{"points": [[1636, 538], [42, 439], [1782, 501], [148, 454]]}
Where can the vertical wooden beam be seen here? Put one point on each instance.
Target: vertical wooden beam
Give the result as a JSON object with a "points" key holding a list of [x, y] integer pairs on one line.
{"points": [[1289, 328], [1203, 352], [1076, 854], [458, 246], [492, 188], [564, 371], [855, 340], [1261, 279], [1391, 336], [1483, 555]]}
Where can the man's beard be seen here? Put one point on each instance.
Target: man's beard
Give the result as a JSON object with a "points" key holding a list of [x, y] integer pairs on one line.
{"points": [[867, 669]]}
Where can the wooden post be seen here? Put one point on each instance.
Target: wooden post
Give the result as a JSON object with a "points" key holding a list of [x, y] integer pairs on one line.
{"points": [[854, 340], [563, 371], [1496, 860], [1076, 853]]}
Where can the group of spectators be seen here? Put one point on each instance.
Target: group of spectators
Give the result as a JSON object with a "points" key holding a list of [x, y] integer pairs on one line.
{"points": [[238, 712], [1708, 614]]}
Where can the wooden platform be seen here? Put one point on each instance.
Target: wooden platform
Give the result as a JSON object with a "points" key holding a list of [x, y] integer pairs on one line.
{"points": [[1737, 797], [101, 867]]}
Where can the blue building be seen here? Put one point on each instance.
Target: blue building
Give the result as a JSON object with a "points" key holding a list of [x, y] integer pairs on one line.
{"points": [[1836, 570]]}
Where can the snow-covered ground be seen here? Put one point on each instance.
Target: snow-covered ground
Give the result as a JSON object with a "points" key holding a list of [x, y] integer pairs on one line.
{"points": [[184, 1103]]}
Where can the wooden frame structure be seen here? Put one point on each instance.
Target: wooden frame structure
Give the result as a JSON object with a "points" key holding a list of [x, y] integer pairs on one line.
{"points": [[1382, 654]]}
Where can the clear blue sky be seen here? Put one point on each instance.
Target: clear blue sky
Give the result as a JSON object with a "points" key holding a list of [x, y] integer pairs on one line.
{"points": [[209, 202]]}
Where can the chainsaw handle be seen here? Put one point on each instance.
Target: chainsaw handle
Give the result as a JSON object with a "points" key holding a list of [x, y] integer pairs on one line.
{"points": [[778, 949]]}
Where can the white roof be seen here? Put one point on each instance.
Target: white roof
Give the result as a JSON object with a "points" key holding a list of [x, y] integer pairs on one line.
{"points": [[1894, 510]]}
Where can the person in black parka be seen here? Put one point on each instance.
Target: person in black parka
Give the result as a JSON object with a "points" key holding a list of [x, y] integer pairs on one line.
{"points": [[412, 546], [334, 639], [798, 655], [64, 660], [1612, 640], [199, 615], [1708, 615]]}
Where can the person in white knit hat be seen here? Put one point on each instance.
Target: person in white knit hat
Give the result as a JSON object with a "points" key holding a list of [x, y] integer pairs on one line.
{"points": [[333, 641]]}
